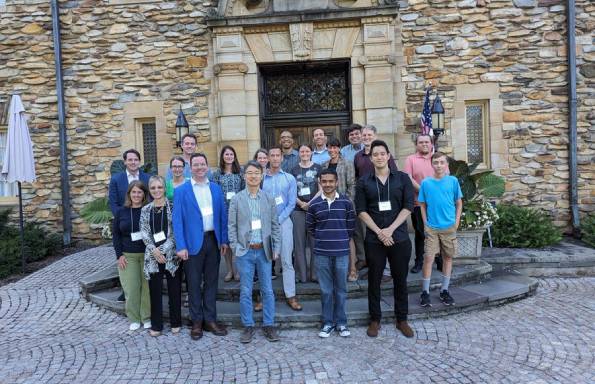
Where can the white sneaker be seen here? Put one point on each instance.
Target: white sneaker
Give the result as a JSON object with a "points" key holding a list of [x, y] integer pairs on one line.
{"points": [[326, 331], [147, 325], [134, 326], [343, 331]]}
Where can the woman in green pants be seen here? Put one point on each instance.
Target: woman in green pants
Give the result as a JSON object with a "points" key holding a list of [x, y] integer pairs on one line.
{"points": [[130, 252]]}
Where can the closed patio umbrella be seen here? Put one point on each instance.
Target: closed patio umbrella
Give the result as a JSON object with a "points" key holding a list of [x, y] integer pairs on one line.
{"points": [[19, 164]]}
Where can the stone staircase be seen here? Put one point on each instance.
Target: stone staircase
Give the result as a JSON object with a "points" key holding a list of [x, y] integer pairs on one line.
{"points": [[472, 286]]}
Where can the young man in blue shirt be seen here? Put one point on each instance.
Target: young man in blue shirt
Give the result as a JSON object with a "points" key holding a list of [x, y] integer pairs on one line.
{"points": [[331, 221], [441, 203]]}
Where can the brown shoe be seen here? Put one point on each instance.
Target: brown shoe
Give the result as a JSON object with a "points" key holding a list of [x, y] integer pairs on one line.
{"points": [[373, 328], [270, 333], [293, 304], [215, 329], [258, 306], [196, 332], [404, 328]]}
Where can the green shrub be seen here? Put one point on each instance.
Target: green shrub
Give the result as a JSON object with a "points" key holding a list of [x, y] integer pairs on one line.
{"points": [[588, 230], [39, 244], [520, 227]]}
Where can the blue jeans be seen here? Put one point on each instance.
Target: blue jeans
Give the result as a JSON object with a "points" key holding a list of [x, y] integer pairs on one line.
{"points": [[332, 276], [255, 259]]}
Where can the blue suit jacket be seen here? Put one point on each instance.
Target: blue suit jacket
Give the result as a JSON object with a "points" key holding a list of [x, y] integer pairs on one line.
{"points": [[187, 219], [118, 186]]}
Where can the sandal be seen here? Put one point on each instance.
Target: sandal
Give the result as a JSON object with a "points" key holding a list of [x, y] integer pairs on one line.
{"points": [[175, 330], [352, 276], [228, 277], [153, 333]]}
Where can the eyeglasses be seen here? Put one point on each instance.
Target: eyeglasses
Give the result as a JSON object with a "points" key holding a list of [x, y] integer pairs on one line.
{"points": [[177, 166]]}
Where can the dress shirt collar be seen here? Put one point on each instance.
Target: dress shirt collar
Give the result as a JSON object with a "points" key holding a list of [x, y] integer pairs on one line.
{"points": [[323, 196], [321, 151], [420, 156], [129, 175], [196, 183]]}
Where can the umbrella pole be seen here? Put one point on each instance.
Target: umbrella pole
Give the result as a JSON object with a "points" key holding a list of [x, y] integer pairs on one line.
{"points": [[22, 229]]}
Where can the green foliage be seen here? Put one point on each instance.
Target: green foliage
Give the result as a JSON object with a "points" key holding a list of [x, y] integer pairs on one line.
{"points": [[475, 184], [119, 166], [521, 227], [39, 244], [588, 230], [97, 211]]}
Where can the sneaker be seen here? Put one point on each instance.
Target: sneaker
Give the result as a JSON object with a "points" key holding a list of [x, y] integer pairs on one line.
{"points": [[134, 326], [247, 335], [326, 331], [147, 325], [425, 299], [121, 298], [446, 298], [273, 275], [270, 333], [343, 331]]}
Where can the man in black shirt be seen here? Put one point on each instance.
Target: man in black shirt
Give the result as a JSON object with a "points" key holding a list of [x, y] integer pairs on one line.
{"points": [[383, 201]]}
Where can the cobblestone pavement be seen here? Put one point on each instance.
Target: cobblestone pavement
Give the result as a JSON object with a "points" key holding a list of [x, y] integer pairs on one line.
{"points": [[48, 333]]}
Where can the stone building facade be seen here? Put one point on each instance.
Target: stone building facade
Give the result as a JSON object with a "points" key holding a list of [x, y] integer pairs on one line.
{"points": [[129, 62]]}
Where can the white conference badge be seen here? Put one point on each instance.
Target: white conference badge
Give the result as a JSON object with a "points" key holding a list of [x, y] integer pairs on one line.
{"points": [[136, 236], [279, 200], [160, 236], [304, 191], [256, 224], [229, 195], [384, 206]]}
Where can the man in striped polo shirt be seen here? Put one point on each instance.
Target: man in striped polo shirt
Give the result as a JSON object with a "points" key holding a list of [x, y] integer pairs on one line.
{"points": [[331, 220]]}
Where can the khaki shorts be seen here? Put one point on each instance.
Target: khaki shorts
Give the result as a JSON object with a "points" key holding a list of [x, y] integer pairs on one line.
{"points": [[442, 241]]}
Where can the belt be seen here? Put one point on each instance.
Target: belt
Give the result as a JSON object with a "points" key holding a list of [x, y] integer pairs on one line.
{"points": [[256, 246]]}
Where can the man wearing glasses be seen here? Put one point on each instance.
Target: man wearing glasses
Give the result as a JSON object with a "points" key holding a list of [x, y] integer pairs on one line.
{"points": [[291, 157]]}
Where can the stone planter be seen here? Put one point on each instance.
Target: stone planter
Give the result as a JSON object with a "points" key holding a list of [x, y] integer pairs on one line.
{"points": [[469, 246]]}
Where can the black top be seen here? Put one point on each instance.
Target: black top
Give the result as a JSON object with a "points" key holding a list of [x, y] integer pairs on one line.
{"points": [[369, 191], [306, 178], [122, 228], [158, 222], [332, 166]]}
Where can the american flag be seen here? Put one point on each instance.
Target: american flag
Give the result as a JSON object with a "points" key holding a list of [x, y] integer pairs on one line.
{"points": [[426, 115]]}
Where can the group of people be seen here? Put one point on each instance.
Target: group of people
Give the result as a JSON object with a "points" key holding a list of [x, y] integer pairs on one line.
{"points": [[316, 213]]}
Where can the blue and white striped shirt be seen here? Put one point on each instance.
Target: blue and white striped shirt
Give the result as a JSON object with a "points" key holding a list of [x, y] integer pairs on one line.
{"points": [[332, 223]]}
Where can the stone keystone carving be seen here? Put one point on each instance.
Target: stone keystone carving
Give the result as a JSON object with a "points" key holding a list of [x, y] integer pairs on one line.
{"points": [[301, 40]]}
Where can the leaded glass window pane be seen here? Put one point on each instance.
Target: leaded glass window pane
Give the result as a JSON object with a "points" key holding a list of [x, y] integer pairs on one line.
{"points": [[150, 144], [475, 133]]}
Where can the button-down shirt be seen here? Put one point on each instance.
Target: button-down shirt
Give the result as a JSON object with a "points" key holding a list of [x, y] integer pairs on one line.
{"points": [[363, 164], [132, 177], [187, 172], [320, 157], [254, 203], [419, 167], [370, 192], [202, 193], [348, 152], [283, 185], [290, 161]]}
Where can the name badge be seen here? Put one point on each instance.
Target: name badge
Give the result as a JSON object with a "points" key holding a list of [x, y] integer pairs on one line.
{"points": [[384, 206], [256, 224], [229, 195], [304, 191], [136, 236], [279, 200], [159, 236], [207, 211]]}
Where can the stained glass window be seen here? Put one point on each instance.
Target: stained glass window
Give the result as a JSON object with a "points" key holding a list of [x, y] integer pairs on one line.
{"points": [[476, 118], [149, 144]]}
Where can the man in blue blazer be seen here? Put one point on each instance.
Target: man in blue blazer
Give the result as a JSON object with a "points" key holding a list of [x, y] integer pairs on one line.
{"points": [[118, 185], [200, 230]]}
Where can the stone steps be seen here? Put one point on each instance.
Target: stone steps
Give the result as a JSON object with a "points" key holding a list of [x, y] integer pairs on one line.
{"points": [[492, 291]]}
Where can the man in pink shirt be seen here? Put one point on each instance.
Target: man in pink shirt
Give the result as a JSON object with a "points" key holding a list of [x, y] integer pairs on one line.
{"points": [[419, 166]]}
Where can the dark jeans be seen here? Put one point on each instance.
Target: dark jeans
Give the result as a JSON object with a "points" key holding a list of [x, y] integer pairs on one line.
{"points": [[174, 293], [418, 226], [203, 267], [398, 257]]}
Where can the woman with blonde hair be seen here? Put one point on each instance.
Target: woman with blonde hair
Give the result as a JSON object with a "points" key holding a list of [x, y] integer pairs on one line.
{"points": [[160, 258]]}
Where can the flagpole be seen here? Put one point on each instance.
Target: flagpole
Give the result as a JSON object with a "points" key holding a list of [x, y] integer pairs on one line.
{"points": [[22, 228]]}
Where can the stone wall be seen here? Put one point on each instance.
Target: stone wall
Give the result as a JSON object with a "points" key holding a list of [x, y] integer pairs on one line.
{"points": [[513, 53], [116, 56]]}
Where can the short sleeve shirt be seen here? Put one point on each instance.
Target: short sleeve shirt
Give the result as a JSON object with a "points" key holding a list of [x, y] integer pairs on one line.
{"points": [[440, 196]]}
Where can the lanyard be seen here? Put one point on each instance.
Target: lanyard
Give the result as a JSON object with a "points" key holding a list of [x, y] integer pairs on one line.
{"points": [[153, 219], [131, 221], [388, 188]]}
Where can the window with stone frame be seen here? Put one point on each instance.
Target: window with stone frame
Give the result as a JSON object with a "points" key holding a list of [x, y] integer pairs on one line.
{"points": [[148, 132], [7, 190], [477, 132]]}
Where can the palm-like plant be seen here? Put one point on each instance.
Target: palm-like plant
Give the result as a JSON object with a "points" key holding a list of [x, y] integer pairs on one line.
{"points": [[97, 211], [477, 187]]}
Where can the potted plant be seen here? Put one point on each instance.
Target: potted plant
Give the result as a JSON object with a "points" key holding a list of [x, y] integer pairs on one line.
{"points": [[478, 186], [98, 214]]}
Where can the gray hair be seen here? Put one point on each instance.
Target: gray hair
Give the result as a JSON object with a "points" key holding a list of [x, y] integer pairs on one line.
{"points": [[370, 127]]}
